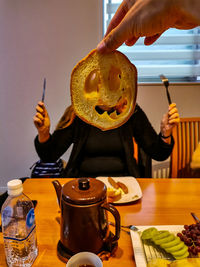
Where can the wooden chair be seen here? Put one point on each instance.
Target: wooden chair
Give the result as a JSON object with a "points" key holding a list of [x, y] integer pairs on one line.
{"points": [[186, 136]]}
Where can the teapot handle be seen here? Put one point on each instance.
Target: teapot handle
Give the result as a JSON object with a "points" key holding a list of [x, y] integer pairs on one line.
{"points": [[115, 213]]}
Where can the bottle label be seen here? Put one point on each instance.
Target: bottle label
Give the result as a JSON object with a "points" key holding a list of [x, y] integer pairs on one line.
{"points": [[21, 251], [30, 218], [7, 215]]}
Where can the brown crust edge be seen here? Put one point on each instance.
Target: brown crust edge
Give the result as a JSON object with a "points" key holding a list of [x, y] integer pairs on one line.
{"points": [[136, 88]]}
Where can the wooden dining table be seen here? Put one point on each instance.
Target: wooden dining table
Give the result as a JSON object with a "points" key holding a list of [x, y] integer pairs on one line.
{"points": [[163, 202]]}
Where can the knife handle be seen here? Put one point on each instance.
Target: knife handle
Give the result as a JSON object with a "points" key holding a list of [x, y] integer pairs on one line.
{"points": [[168, 96], [195, 217], [44, 88]]}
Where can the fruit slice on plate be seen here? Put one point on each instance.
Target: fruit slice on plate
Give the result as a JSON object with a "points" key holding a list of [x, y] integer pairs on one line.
{"points": [[163, 240], [170, 244], [167, 241], [148, 233], [160, 235], [175, 248], [181, 252], [183, 256]]}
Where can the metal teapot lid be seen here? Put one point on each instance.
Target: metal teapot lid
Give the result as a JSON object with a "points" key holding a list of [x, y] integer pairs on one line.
{"points": [[84, 191]]}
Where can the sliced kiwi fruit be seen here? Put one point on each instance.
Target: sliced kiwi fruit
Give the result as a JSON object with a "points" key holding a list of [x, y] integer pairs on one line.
{"points": [[167, 241], [175, 248], [185, 255], [164, 240], [180, 252], [148, 233], [170, 244], [160, 235]]}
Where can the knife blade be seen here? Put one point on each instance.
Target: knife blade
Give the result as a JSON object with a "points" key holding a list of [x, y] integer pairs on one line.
{"points": [[166, 84], [44, 88], [195, 217]]}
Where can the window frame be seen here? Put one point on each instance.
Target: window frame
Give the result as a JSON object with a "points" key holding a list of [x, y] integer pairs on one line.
{"points": [[153, 81]]}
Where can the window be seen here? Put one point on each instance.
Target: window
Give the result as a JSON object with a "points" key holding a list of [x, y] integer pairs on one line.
{"points": [[176, 54]]}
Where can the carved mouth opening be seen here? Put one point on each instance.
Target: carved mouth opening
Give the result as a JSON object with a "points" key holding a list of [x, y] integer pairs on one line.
{"points": [[100, 109], [118, 108]]}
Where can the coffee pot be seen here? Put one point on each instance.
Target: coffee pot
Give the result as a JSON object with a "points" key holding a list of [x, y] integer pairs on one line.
{"points": [[84, 217]]}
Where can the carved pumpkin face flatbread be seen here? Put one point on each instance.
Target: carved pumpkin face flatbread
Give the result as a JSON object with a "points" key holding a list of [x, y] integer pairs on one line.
{"points": [[104, 89]]}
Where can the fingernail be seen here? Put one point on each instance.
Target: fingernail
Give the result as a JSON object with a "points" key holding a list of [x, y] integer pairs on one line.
{"points": [[101, 46]]}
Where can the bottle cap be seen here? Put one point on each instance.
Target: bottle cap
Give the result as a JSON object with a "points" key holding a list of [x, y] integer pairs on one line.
{"points": [[15, 187]]}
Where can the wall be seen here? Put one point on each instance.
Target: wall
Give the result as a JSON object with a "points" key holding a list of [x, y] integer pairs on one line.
{"points": [[46, 39], [38, 39], [153, 100]]}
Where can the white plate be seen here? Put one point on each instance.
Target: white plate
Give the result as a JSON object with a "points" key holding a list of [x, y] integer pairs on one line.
{"points": [[143, 253], [134, 190]]}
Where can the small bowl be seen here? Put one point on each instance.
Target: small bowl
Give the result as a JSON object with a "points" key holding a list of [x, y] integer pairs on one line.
{"points": [[82, 258]]}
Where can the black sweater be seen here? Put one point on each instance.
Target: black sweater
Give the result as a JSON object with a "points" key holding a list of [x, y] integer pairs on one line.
{"points": [[138, 126]]}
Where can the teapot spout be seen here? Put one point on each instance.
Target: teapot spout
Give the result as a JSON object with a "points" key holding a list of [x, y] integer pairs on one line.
{"points": [[58, 188]]}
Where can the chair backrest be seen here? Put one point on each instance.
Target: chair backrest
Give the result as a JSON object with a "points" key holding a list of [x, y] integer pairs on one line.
{"points": [[186, 136]]}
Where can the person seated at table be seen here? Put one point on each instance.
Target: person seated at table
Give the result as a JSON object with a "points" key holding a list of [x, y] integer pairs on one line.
{"points": [[103, 153]]}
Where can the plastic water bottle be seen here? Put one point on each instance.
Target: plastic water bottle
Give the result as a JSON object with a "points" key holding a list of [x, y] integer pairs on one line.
{"points": [[18, 227]]}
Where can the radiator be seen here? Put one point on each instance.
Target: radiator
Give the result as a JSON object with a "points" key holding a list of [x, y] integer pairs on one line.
{"points": [[160, 170]]}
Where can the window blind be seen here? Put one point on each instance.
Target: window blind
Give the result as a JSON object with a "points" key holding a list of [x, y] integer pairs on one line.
{"points": [[176, 54]]}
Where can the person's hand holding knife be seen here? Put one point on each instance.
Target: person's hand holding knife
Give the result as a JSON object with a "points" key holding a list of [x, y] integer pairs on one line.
{"points": [[41, 119]]}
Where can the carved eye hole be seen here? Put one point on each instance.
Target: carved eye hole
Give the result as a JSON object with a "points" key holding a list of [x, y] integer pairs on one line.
{"points": [[92, 82], [114, 78]]}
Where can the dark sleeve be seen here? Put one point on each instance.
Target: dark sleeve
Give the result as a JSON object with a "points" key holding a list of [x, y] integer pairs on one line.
{"points": [[147, 138], [56, 146]]}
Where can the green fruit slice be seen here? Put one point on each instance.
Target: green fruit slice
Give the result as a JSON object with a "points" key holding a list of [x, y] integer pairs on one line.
{"points": [[172, 243], [164, 240], [175, 248], [185, 255], [160, 235], [168, 241], [180, 252], [148, 233]]}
